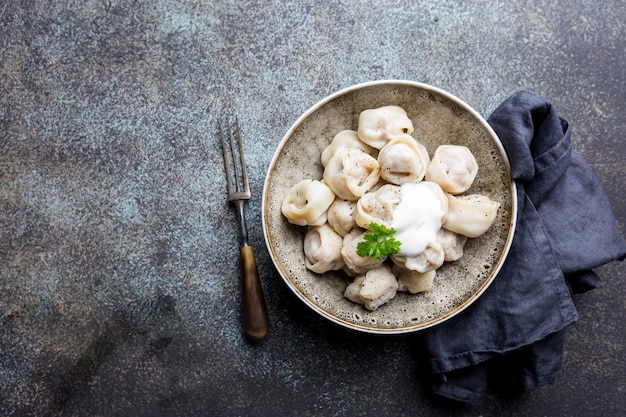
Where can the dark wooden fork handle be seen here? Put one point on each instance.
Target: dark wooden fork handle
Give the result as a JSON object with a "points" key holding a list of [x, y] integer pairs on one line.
{"points": [[255, 319]]}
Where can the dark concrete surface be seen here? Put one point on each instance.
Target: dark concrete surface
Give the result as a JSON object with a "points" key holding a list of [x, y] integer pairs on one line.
{"points": [[119, 289]]}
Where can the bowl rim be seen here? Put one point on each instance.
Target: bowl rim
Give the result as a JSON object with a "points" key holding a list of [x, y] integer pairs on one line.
{"points": [[439, 319]]}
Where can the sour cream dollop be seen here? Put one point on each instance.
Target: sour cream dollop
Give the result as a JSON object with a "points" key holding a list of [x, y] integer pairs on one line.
{"points": [[416, 219]]}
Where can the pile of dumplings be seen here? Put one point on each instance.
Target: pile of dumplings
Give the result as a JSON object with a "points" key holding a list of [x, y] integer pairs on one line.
{"points": [[381, 174]]}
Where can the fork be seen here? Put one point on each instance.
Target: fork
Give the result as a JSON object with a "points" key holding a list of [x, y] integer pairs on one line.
{"points": [[255, 318]]}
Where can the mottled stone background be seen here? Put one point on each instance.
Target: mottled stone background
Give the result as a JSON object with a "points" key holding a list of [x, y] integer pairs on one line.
{"points": [[119, 289]]}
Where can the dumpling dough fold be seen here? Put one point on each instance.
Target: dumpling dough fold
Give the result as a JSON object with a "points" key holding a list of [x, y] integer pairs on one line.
{"points": [[403, 160], [378, 126], [378, 207], [470, 215], [307, 202], [341, 216], [453, 167], [345, 139], [413, 281], [355, 263], [322, 249], [429, 260], [351, 173], [374, 288]]}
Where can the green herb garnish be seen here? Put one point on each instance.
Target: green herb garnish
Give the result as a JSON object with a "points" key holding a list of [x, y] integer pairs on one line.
{"points": [[378, 242]]}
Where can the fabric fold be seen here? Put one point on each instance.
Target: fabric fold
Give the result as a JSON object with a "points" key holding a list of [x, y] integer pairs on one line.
{"points": [[565, 229]]}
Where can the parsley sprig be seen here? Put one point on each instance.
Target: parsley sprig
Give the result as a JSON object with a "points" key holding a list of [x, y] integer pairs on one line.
{"points": [[378, 242]]}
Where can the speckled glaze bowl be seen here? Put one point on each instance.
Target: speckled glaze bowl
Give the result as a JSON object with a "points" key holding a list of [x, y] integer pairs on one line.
{"points": [[438, 118]]}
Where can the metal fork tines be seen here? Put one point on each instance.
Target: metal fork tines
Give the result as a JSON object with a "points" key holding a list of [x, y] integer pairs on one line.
{"points": [[255, 319], [236, 174]]}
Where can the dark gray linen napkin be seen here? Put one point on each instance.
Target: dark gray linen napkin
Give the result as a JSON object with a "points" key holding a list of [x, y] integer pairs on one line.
{"points": [[515, 333]]}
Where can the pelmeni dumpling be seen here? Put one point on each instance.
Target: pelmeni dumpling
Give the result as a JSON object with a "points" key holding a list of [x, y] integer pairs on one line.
{"points": [[379, 126], [378, 206], [341, 216], [345, 139], [403, 160], [452, 244], [470, 215], [307, 202], [453, 167], [351, 173], [429, 260], [322, 249], [354, 262], [353, 290], [413, 281], [374, 288]]}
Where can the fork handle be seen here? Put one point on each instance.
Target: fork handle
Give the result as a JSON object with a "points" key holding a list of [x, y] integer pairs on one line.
{"points": [[255, 318]]}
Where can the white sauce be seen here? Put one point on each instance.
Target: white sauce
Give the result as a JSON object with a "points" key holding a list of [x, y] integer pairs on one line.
{"points": [[416, 219]]}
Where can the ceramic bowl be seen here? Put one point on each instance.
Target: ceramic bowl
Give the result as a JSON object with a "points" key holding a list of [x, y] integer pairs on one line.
{"points": [[438, 118]]}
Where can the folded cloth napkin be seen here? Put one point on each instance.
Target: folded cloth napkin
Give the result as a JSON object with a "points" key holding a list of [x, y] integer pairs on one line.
{"points": [[565, 228]]}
